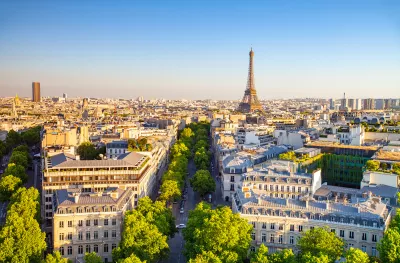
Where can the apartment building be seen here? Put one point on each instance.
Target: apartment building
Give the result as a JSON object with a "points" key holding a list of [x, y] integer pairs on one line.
{"points": [[116, 148], [279, 222], [86, 222], [254, 136]]}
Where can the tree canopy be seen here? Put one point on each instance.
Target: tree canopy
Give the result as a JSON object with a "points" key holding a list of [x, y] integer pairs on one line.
{"points": [[354, 255], [92, 258], [170, 190], [141, 238], [372, 165], [218, 231], [320, 243], [21, 239], [139, 145], [56, 257], [8, 185], [202, 182], [87, 151], [17, 171], [261, 255]]}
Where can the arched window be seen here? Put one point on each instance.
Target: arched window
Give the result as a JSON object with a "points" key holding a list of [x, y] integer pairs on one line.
{"points": [[87, 248], [62, 251]]}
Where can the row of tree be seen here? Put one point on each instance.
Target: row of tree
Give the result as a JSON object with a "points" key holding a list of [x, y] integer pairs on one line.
{"points": [[30, 137], [221, 236], [375, 165], [139, 145], [15, 175]]}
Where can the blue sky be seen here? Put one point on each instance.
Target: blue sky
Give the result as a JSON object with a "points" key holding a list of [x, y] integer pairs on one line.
{"points": [[199, 49]]}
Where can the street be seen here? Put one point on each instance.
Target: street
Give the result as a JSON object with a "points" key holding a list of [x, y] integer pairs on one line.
{"points": [[176, 244]]}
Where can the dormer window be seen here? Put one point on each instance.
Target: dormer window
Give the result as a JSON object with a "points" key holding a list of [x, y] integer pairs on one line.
{"points": [[351, 221], [105, 209], [79, 210], [61, 211]]}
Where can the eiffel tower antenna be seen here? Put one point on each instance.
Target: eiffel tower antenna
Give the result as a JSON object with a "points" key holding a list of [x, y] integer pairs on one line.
{"points": [[250, 102]]}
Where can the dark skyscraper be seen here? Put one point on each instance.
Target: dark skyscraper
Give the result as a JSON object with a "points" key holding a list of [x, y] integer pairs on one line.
{"points": [[250, 102], [36, 91]]}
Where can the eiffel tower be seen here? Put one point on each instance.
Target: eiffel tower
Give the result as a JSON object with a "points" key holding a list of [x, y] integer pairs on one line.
{"points": [[250, 102]]}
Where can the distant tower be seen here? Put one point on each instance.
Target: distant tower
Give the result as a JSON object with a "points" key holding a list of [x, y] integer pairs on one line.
{"points": [[250, 102], [36, 91], [17, 100], [14, 113]]}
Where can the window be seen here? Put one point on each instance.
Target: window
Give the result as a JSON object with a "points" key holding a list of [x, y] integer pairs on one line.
{"points": [[350, 245], [232, 178], [341, 233], [80, 249], [96, 222], [62, 251], [299, 189], [291, 228], [114, 222], [272, 238], [364, 248], [114, 233], [106, 234], [87, 235], [365, 223], [351, 234], [333, 230], [232, 187], [61, 224], [95, 235], [113, 246], [300, 228], [291, 240], [373, 250], [374, 238], [253, 236], [311, 227], [364, 236], [374, 224], [87, 222], [61, 236], [252, 249], [264, 225], [69, 250], [80, 235], [272, 225], [351, 221], [69, 223], [69, 236], [105, 248], [106, 222], [87, 248], [80, 223], [263, 237], [280, 227], [280, 239], [96, 248]]}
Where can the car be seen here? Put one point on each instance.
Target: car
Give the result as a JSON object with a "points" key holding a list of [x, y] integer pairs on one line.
{"points": [[182, 211], [175, 202], [180, 226]]}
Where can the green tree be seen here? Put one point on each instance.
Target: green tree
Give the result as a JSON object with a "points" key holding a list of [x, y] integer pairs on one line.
{"points": [[141, 238], [170, 190], [179, 148], [260, 256], [19, 158], [31, 136], [187, 133], [202, 182], [13, 139], [139, 145], [17, 171], [389, 247], [8, 185], [201, 144], [289, 156], [320, 257], [131, 259], [283, 256], [21, 148], [92, 258], [202, 159], [218, 231], [156, 213], [87, 151], [56, 257], [206, 257], [356, 256], [3, 149], [372, 165], [396, 166], [384, 166], [21, 239], [320, 241]]}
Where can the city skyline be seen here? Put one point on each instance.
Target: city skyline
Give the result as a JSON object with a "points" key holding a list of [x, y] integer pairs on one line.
{"points": [[181, 50]]}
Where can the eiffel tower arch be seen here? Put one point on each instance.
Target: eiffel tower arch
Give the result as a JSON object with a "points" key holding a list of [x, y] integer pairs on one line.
{"points": [[250, 102]]}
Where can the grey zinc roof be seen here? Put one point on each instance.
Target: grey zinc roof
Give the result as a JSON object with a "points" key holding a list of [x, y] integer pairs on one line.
{"points": [[237, 162], [381, 190], [66, 199], [125, 160]]}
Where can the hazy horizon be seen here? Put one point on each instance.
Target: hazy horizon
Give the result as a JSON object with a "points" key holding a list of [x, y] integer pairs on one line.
{"points": [[199, 50]]}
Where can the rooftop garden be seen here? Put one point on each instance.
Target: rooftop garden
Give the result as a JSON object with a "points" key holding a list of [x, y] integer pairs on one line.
{"points": [[377, 166]]}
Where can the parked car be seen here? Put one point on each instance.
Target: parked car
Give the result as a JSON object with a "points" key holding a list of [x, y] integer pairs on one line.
{"points": [[182, 211], [180, 226]]}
